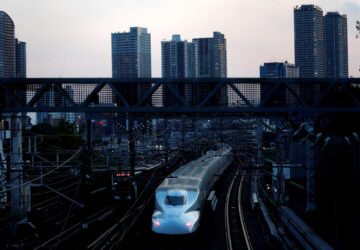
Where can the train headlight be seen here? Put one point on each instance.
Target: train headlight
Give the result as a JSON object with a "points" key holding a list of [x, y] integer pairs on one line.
{"points": [[189, 224], [157, 223]]}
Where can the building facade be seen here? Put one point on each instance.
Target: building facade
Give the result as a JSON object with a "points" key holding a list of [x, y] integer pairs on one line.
{"points": [[212, 57], [53, 98], [131, 58], [309, 41], [20, 49], [178, 58], [212, 62], [7, 46], [336, 45], [279, 70], [131, 53]]}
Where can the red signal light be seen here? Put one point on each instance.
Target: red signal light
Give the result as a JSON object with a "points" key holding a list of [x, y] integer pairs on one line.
{"points": [[101, 123], [79, 117]]}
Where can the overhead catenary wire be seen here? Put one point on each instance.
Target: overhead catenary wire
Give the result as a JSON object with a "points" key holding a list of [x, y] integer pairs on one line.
{"points": [[46, 174]]}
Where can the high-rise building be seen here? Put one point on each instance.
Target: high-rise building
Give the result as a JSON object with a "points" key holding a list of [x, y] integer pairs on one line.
{"points": [[279, 70], [53, 98], [131, 58], [7, 46], [212, 62], [131, 53], [336, 45], [20, 51], [309, 41], [178, 58], [212, 56]]}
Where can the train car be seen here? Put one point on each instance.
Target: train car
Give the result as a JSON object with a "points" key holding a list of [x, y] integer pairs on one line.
{"points": [[179, 199]]}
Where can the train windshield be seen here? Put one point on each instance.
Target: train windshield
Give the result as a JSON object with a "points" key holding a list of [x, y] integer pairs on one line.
{"points": [[175, 200]]}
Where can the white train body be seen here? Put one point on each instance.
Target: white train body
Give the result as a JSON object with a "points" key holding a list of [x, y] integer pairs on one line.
{"points": [[179, 200]]}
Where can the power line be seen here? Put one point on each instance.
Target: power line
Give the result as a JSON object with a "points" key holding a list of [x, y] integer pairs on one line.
{"points": [[38, 178]]}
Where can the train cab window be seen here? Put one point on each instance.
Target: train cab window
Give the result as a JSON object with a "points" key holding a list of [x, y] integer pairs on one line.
{"points": [[175, 200]]}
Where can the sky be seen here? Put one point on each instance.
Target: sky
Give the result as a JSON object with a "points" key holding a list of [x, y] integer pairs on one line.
{"points": [[72, 38]]}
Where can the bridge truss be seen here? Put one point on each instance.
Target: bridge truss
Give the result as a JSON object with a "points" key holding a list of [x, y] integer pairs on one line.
{"points": [[161, 97]]}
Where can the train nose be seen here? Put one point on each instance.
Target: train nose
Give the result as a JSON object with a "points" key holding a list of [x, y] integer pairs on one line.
{"points": [[172, 226]]}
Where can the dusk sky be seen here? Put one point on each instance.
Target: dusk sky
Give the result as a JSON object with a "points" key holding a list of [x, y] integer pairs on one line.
{"points": [[72, 38]]}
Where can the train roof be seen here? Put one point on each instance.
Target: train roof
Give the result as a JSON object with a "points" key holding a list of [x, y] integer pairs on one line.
{"points": [[190, 175]]}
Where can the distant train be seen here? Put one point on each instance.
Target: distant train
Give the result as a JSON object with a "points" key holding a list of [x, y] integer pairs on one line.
{"points": [[179, 200]]}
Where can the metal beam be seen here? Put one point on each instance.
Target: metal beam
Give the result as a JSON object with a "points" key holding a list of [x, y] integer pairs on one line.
{"points": [[240, 94], [118, 94], [96, 90], [11, 95], [159, 111], [149, 93], [296, 95], [325, 93], [270, 94], [356, 101], [39, 93], [20, 87], [64, 93], [212, 93], [176, 93]]}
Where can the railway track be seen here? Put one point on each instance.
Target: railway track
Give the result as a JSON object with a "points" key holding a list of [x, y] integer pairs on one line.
{"points": [[236, 232]]}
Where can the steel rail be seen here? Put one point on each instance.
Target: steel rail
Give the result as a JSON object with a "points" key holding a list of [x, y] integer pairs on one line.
{"points": [[241, 215], [72, 230], [227, 220]]}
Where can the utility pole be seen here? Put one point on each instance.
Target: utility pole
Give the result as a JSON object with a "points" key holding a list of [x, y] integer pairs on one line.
{"points": [[3, 195], [310, 172], [131, 141], [280, 171], [86, 165], [183, 135], [89, 142], [20, 196], [166, 141], [259, 134]]}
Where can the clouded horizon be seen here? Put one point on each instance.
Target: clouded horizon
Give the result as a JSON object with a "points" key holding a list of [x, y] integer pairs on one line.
{"points": [[72, 38]]}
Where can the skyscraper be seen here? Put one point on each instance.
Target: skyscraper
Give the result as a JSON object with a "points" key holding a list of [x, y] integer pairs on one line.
{"points": [[20, 51], [53, 98], [131, 58], [7, 46], [279, 70], [131, 53], [178, 60], [212, 62], [336, 45], [309, 41]]}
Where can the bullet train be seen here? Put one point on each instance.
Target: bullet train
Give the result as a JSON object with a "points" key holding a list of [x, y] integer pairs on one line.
{"points": [[179, 199]]}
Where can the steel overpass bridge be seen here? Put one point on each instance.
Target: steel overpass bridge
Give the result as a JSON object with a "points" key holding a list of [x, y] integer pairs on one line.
{"points": [[161, 97]]}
